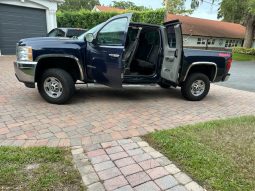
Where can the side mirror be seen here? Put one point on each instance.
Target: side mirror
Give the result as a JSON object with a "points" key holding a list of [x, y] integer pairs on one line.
{"points": [[89, 37]]}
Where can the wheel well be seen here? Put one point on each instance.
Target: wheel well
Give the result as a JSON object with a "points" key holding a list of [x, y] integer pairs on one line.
{"points": [[67, 64], [208, 70]]}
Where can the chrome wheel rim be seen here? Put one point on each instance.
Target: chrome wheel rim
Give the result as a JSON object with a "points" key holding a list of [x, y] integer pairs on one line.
{"points": [[198, 87], [53, 87]]}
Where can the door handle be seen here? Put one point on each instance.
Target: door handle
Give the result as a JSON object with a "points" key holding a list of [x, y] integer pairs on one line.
{"points": [[114, 55], [170, 58], [176, 53]]}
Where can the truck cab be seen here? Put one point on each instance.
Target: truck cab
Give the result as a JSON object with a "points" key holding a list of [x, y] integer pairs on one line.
{"points": [[121, 52]]}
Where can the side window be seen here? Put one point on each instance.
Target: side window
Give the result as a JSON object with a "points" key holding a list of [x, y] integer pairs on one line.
{"points": [[53, 33], [113, 33], [171, 36], [61, 33], [74, 33]]}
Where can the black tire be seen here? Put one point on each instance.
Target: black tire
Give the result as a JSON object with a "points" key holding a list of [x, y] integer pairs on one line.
{"points": [[186, 88], [66, 81]]}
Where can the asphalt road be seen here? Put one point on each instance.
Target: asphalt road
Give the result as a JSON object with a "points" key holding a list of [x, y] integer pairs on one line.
{"points": [[242, 76]]}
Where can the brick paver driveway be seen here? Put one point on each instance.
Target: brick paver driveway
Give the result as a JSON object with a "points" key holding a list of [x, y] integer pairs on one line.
{"points": [[100, 114]]}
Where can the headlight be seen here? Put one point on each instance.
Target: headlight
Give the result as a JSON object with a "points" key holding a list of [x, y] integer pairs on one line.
{"points": [[24, 53]]}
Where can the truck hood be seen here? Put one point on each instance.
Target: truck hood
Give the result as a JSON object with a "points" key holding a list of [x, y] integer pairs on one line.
{"points": [[55, 45], [28, 41]]}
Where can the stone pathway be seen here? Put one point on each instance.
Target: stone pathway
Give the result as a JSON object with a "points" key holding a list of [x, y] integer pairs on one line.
{"points": [[129, 164]]}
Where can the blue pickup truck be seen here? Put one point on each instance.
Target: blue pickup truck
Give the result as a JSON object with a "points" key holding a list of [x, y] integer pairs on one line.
{"points": [[119, 52]]}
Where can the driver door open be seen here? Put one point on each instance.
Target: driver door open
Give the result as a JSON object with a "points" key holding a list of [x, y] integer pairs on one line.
{"points": [[106, 53]]}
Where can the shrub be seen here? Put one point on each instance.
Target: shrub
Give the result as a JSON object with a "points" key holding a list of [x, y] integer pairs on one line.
{"points": [[87, 19], [241, 50]]}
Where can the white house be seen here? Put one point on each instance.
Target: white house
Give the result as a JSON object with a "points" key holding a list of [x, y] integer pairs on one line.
{"points": [[25, 18], [209, 34]]}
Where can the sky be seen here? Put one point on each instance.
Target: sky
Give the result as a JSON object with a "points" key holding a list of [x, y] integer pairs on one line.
{"points": [[206, 10]]}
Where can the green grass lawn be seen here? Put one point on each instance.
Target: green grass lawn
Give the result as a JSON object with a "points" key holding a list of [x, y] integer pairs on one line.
{"points": [[38, 169], [220, 155], [243, 57]]}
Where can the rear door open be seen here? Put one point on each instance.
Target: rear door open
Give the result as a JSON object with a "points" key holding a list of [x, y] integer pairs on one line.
{"points": [[173, 48]]}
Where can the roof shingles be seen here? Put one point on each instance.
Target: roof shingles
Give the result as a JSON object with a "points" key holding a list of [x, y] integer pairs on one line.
{"points": [[109, 9], [209, 28]]}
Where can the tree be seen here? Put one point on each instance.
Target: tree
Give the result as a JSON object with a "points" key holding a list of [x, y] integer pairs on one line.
{"points": [[71, 5], [128, 5], [177, 7], [243, 12]]}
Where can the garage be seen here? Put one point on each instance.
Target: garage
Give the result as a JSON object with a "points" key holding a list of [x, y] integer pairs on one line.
{"points": [[25, 19], [19, 22]]}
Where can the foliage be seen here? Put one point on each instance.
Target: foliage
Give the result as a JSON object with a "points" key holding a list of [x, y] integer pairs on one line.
{"points": [[87, 19], [240, 50], [177, 7], [243, 57], [233, 11], [72, 5], [220, 155], [128, 5]]}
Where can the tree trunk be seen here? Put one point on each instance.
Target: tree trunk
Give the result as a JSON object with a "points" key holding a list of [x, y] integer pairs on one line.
{"points": [[250, 30]]}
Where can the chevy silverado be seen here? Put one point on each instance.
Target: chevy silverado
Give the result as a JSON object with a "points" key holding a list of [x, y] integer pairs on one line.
{"points": [[119, 52]]}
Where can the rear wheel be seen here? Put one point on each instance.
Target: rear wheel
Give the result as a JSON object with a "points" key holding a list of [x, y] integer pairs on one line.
{"points": [[56, 86], [196, 87]]}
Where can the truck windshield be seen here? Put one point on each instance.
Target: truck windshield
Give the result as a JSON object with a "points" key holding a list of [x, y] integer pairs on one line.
{"points": [[92, 31]]}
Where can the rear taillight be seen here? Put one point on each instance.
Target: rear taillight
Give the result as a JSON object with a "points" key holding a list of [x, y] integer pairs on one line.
{"points": [[229, 63]]}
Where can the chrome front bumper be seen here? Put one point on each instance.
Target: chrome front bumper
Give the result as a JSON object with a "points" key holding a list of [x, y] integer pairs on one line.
{"points": [[25, 71]]}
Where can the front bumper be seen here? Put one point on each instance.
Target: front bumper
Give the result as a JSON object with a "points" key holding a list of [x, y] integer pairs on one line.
{"points": [[25, 71], [226, 78]]}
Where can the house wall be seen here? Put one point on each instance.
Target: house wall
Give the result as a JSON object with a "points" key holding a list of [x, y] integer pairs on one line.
{"points": [[191, 41], [49, 6]]}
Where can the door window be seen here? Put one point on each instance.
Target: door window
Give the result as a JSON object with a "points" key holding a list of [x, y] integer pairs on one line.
{"points": [[171, 36], [113, 33]]}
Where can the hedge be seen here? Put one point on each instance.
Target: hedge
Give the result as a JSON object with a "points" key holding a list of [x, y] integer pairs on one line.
{"points": [[241, 50], [87, 19]]}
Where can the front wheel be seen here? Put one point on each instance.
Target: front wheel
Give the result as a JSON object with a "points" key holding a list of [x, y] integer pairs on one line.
{"points": [[56, 86], [196, 87]]}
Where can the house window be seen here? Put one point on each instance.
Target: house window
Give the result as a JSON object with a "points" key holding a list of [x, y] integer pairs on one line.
{"points": [[201, 41], [211, 41], [204, 40], [231, 43]]}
